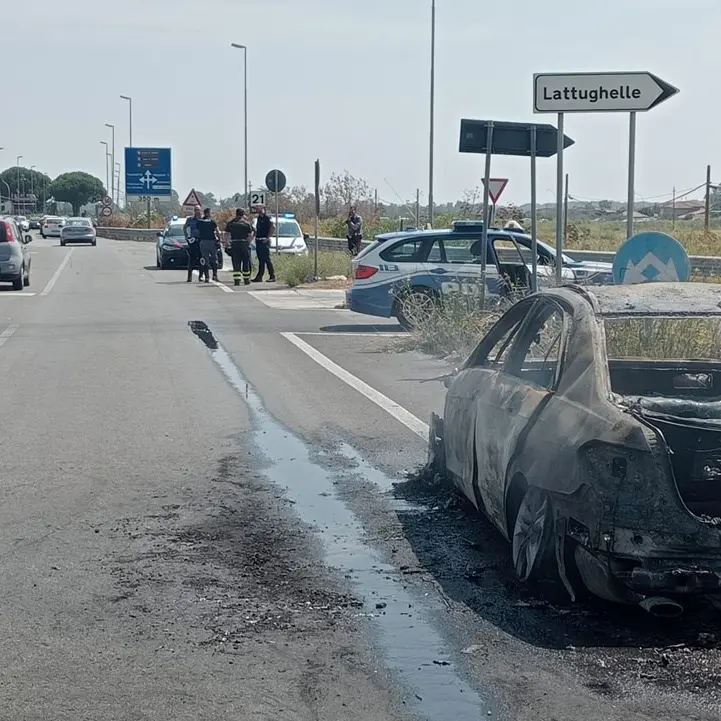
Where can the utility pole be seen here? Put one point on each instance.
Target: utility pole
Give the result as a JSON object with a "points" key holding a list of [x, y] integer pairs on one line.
{"points": [[565, 211], [707, 211], [418, 208], [112, 128], [673, 209], [433, 112], [375, 200]]}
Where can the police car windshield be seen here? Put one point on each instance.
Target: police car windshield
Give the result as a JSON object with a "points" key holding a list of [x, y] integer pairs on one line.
{"points": [[288, 228], [176, 231]]}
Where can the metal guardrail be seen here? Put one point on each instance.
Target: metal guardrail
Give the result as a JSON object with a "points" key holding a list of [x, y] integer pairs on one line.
{"points": [[701, 264]]}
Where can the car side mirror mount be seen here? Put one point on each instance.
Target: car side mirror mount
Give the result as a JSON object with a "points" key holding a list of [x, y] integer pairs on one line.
{"points": [[447, 380], [28, 238], [306, 236]]}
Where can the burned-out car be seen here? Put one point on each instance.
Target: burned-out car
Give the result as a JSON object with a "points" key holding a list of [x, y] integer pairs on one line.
{"points": [[587, 426]]}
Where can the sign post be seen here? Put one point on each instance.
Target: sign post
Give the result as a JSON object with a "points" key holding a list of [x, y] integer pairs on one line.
{"points": [[517, 139], [486, 184], [611, 92], [559, 202], [275, 182], [317, 217], [534, 212]]}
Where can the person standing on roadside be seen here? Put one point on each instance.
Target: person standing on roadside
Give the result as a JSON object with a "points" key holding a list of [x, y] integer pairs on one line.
{"points": [[209, 239], [191, 235], [355, 231], [263, 231], [241, 233]]}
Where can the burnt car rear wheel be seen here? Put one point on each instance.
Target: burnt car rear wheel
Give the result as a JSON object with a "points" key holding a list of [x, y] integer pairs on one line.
{"points": [[532, 543]]}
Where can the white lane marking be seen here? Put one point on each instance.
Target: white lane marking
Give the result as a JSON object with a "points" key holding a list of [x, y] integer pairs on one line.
{"points": [[56, 274], [217, 284], [315, 299], [15, 294], [349, 334], [391, 407], [7, 334]]}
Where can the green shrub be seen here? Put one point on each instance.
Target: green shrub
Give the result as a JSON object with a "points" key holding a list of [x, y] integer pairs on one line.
{"points": [[295, 270]]}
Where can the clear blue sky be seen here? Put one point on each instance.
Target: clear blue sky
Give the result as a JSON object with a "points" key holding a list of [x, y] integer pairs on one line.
{"points": [[346, 81]]}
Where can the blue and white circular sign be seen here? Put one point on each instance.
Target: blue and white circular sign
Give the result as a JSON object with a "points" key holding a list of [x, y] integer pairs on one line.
{"points": [[650, 257]]}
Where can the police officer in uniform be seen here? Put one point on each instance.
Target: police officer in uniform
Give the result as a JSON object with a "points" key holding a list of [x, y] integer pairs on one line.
{"points": [[209, 240], [263, 232], [241, 233], [191, 235]]}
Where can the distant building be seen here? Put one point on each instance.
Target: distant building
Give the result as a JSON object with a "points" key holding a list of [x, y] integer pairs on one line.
{"points": [[681, 208]]}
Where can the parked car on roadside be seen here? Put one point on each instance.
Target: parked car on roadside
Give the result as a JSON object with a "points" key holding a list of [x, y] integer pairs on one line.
{"points": [[78, 230], [586, 425], [15, 260], [291, 238], [171, 247], [406, 274]]}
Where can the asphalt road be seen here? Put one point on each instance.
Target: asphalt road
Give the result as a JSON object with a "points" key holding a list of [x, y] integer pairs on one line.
{"points": [[205, 515]]}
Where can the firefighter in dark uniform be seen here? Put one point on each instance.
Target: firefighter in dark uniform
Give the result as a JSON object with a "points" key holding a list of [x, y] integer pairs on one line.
{"points": [[263, 232], [191, 235], [241, 233]]}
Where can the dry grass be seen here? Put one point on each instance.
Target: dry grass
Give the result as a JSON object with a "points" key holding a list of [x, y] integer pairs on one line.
{"points": [[663, 338], [608, 235], [294, 270]]}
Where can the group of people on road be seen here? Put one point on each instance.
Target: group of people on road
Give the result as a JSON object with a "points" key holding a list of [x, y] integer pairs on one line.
{"points": [[205, 242]]}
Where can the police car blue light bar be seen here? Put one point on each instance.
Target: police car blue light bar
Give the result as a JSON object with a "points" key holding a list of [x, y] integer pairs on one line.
{"points": [[289, 215]]}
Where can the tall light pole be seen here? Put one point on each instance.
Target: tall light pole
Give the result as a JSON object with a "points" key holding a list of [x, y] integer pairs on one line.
{"points": [[244, 48], [19, 158], [32, 180], [117, 184], [433, 112], [107, 167], [112, 128], [130, 116]]}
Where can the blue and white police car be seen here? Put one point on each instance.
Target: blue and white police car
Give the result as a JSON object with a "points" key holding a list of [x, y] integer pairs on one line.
{"points": [[404, 274], [291, 238]]}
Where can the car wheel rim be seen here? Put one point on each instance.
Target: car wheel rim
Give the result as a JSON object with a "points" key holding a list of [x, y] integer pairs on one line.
{"points": [[417, 308], [529, 533]]}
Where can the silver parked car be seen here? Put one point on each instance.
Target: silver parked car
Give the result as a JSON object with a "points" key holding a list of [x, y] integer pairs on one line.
{"points": [[14, 254], [78, 230]]}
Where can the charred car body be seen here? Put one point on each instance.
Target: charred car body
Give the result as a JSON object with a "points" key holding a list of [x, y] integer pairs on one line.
{"points": [[587, 426]]}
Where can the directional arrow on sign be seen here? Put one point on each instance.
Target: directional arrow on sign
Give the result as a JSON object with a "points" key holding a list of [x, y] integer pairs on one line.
{"points": [[599, 92], [148, 180]]}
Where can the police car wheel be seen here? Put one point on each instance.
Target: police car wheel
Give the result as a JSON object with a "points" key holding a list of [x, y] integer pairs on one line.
{"points": [[415, 307]]}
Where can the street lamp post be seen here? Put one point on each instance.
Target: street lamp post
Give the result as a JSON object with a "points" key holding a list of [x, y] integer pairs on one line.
{"points": [[117, 183], [107, 167], [130, 116], [433, 112], [19, 158], [112, 128], [244, 48]]}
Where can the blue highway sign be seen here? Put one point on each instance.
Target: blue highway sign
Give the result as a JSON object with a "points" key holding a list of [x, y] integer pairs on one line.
{"points": [[651, 256], [147, 172]]}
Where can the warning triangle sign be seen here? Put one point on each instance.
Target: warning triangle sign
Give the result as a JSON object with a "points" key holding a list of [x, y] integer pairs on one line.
{"points": [[192, 199], [495, 187]]}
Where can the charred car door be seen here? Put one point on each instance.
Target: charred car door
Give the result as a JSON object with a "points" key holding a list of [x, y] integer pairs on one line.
{"points": [[474, 378], [514, 398]]}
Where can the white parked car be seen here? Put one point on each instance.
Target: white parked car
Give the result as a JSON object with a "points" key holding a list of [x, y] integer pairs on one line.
{"points": [[291, 238], [78, 230], [52, 226]]}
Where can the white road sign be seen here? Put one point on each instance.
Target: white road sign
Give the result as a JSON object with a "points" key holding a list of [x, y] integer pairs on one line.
{"points": [[257, 197], [598, 92]]}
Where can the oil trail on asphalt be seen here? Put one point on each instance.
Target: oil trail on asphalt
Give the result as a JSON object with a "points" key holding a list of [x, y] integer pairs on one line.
{"points": [[409, 643]]}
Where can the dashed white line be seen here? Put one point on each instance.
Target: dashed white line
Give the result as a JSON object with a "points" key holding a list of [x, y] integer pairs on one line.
{"points": [[56, 274], [389, 406], [218, 284], [7, 334]]}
